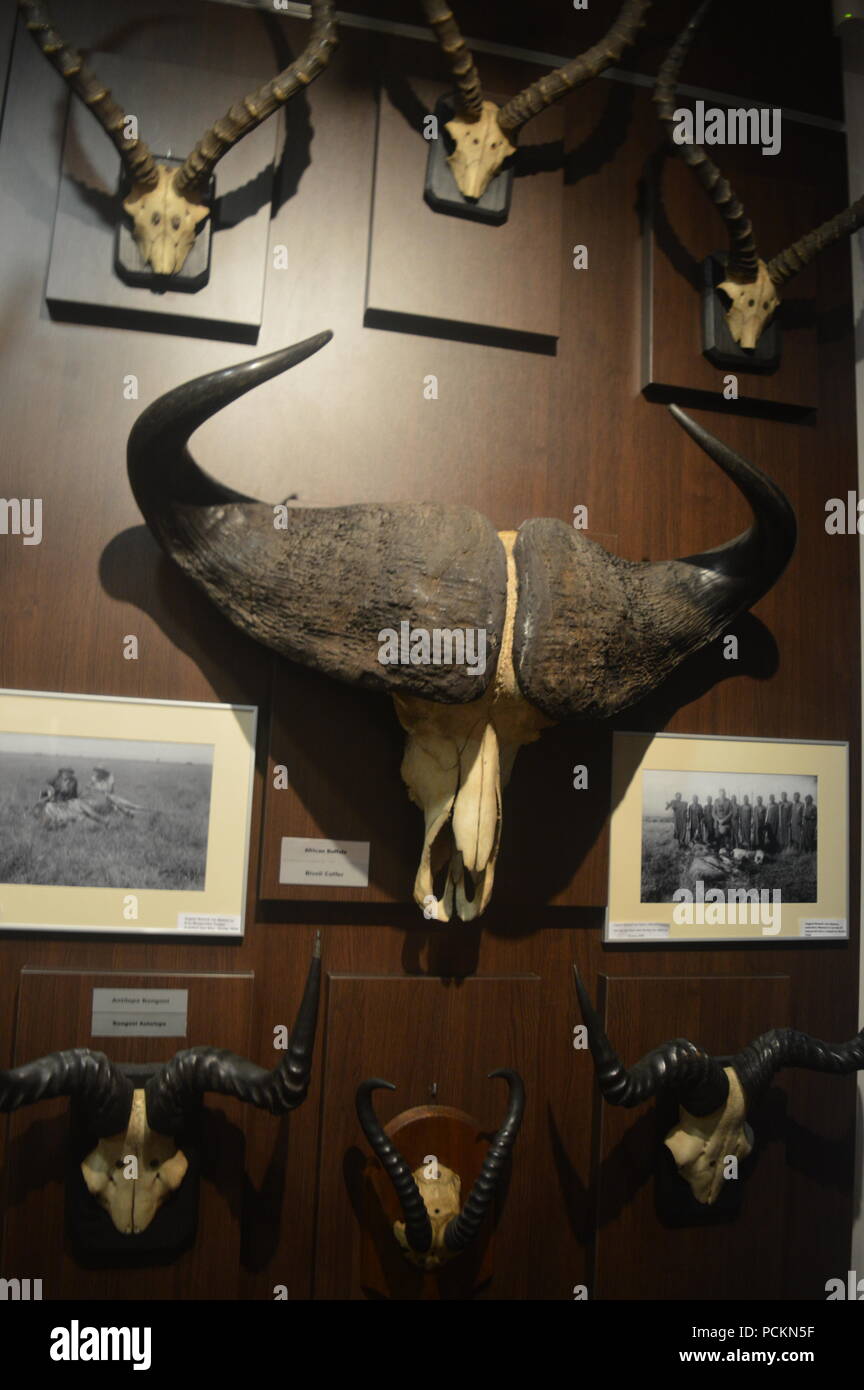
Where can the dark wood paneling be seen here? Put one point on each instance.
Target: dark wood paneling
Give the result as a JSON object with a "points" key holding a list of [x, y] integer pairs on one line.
{"points": [[704, 1257], [514, 435], [54, 1012], [451, 1034]]}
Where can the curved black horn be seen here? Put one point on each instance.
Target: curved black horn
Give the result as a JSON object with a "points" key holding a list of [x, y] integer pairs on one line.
{"points": [[744, 568], [463, 1228], [418, 1227], [594, 633], [96, 1085], [758, 1063], [697, 1079], [318, 584], [181, 1083], [164, 477]]}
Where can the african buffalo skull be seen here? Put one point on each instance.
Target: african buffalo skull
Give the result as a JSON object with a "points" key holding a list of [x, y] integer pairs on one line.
{"points": [[138, 1163], [714, 1093], [571, 632], [484, 135], [751, 285], [167, 205], [437, 1226]]}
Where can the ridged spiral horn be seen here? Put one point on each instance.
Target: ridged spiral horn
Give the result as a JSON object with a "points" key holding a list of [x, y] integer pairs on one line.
{"points": [[178, 1086], [555, 85], [463, 1229], [743, 256], [679, 1066], [418, 1227], [467, 79], [137, 159], [245, 116], [96, 1086], [758, 1063]]}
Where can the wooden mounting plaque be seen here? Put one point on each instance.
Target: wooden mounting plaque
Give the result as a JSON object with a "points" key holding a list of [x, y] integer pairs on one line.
{"points": [[174, 104], [737, 1255], [435, 274], [54, 1012], [457, 1141], [677, 217], [449, 1038]]}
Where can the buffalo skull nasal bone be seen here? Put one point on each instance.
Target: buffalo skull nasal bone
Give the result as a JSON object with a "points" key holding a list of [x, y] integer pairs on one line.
{"points": [[458, 759]]}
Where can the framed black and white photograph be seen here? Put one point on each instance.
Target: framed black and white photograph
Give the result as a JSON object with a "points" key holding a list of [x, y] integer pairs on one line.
{"points": [[727, 839], [124, 815]]}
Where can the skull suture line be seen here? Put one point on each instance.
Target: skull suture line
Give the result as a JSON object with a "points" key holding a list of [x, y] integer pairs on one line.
{"points": [[572, 632], [137, 1163], [436, 1226], [751, 284], [168, 205], [714, 1092], [484, 135]]}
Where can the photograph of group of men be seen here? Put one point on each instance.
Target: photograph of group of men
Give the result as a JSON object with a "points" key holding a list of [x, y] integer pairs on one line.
{"points": [[772, 824]]}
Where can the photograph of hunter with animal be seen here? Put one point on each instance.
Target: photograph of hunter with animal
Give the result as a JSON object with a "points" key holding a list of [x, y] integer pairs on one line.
{"points": [[103, 813], [753, 830]]}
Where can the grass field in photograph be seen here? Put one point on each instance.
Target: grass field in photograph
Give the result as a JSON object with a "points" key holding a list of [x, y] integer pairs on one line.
{"points": [[164, 846], [664, 869]]}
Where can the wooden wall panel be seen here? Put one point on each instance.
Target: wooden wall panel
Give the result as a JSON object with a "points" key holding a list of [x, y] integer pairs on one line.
{"points": [[512, 434], [710, 1255], [54, 1012]]}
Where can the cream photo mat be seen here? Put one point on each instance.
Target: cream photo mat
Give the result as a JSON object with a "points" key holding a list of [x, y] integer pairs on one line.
{"points": [[628, 918], [220, 907]]}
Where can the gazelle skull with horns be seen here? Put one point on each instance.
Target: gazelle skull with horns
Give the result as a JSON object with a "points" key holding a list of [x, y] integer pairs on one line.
{"points": [[485, 135], [572, 632], [143, 1123], [714, 1093], [167, 205], [437, 1226], [751, 285]]}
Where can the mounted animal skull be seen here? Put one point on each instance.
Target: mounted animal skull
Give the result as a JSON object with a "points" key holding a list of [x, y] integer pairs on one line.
{"points": [[437, 1227], [571, 632], [714, 1092], [168, 205], [485, 135], [138, 1162], [751, 285]]}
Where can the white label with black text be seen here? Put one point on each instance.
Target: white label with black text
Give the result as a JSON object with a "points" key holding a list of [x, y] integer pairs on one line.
{"points": [[826, 928], [638, 931], [319, 863]]}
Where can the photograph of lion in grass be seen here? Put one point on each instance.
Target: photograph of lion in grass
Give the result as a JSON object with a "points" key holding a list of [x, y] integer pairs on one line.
{"points": [[103, 812], [729, 830]]}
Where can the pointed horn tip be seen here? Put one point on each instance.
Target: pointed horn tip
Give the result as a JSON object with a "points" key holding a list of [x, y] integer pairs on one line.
{"points": [[375, 1083], [316, 948]]}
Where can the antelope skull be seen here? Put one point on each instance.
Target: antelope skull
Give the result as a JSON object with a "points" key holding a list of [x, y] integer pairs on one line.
{"points": [[714, 1093], [133, 1173], [168, 205], [485, 135], [137, 1163], [571, 632], [751, 284], [436, 1226]]}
